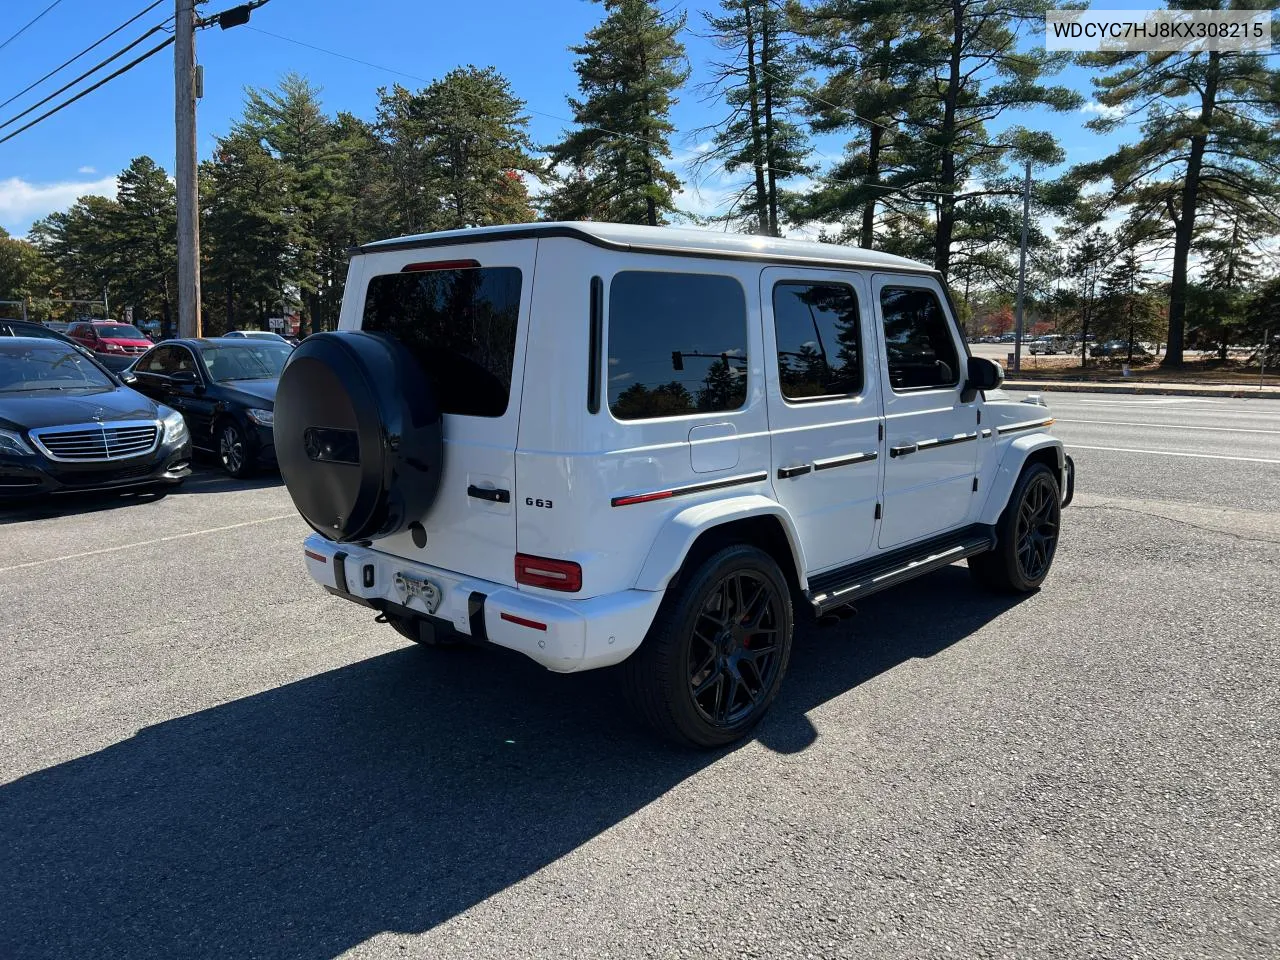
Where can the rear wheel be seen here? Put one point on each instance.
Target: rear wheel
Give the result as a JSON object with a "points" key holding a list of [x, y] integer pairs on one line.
{"points": [[714, 658], [1026, 535]]}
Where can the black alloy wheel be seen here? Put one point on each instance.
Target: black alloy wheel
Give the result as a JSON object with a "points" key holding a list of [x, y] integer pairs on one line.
{"points": [[1037, 527], [717, 651], [736, 650], [1026, 535]]}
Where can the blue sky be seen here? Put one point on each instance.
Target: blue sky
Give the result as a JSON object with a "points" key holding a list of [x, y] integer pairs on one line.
{"points": [[81, 148]]}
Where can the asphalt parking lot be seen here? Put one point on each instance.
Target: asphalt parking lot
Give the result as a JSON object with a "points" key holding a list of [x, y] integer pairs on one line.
{"points": [[202, 755]]}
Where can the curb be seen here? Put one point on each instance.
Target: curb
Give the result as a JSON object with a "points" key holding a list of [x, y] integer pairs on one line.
{"points": [[1229, 390]]}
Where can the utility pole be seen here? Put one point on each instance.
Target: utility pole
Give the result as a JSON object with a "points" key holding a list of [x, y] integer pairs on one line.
{"points": [[1022, 271], [184, 102]]}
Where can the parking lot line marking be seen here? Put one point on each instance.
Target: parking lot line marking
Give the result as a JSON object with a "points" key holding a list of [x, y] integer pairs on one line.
{"points": [[1173, 453], [145, 543], [1150, 401], [1170, 426]]}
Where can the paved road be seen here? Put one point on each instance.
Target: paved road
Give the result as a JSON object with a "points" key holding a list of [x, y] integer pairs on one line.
{"points": [[201, 756]]}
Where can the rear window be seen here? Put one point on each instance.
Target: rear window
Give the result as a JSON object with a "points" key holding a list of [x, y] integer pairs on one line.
{"points": [[677, 344], [460, 325]]}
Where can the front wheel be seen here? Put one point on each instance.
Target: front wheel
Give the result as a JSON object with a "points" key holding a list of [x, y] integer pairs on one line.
{"points": [[714, 658], [1026, 535], [233, 450]]}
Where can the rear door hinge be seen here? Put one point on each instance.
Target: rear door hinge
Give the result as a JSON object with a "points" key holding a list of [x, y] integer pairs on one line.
{"points": [[975, 484], [878, 511]]}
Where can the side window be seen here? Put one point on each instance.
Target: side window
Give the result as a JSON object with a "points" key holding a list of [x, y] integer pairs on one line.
{"points": [[162, 361], [819, 340], [677, 344], [919, 348], [460, 325]]}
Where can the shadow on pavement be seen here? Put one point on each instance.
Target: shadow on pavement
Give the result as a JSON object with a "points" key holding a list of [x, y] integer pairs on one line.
{"points": [[390, 794]]}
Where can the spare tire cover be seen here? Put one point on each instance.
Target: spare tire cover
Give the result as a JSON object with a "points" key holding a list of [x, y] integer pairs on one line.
{"points": [[358, 435]]}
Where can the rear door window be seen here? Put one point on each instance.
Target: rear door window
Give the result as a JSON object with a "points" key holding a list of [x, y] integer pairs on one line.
{"points": [[919, 348], [460, 325], [677, 344]]}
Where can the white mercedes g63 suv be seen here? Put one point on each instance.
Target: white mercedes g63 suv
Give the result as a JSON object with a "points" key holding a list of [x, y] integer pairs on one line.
{"points": [[599, 444]]}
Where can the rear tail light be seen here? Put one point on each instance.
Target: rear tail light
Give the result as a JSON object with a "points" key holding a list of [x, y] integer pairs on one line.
{"points": [[548, 574]]}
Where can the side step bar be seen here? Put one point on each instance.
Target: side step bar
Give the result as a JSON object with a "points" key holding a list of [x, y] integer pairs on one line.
{"points": [[841, 587]]}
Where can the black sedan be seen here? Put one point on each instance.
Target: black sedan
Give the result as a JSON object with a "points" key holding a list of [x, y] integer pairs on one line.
{"points": [[67, 424], [226, 389]]}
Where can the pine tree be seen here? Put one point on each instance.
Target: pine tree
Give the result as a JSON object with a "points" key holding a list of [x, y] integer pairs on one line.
{"points": [[1208, 133], [758, 82], [629, 68], [476, 145], [247, 236], [871, 69], [147, 234]]}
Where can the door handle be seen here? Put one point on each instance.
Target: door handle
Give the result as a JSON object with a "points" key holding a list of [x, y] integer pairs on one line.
{"points": [[903, 450], [799, 470], [491, 494]]}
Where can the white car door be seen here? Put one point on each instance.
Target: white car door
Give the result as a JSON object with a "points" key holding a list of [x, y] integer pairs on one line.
{"points": [[825, 410], [930, 429]]}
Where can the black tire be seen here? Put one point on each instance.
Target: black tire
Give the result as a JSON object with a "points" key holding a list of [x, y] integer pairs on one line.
{"points": [[697, 679], [1026, 535], [234, 452]]}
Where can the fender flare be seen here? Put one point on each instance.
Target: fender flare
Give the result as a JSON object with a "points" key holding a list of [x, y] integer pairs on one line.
{"points": [[1010, 468], [678, 534]]}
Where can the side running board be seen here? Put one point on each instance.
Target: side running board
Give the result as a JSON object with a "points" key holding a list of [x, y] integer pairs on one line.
{"points": [[861, 579]]}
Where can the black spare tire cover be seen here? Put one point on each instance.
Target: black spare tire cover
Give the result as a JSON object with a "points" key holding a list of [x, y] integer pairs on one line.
{"points": [[358, 435]]}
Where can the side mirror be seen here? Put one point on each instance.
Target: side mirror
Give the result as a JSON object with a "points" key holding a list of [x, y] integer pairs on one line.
{"points": [[183, 376], [983, 374], [128, 377]]}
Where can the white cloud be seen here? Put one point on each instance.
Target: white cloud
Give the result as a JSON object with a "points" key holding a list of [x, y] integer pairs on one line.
{"points": [[22, 202], [87, 170], [1102, 110]]}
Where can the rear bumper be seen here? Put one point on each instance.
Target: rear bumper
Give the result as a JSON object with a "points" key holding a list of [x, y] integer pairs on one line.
{"points": [[565, 636]]}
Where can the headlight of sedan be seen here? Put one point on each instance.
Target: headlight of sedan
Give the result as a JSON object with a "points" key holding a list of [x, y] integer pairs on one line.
{"points": [[263, 418], [12, 444], [175, 428]]}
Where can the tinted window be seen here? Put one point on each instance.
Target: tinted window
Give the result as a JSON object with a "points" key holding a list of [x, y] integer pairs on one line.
{"points": [[819, 341], [677, 344], [247, 361], [163, 361], [27, 368], [119, 331], [460, 325], [918, 343]]}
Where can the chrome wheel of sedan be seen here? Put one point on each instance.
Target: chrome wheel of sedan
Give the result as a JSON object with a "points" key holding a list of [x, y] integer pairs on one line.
{"points": [[233, 450]]}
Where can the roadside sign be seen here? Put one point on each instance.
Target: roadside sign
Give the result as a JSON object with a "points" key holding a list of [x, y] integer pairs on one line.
{"points": [[128, 314]]}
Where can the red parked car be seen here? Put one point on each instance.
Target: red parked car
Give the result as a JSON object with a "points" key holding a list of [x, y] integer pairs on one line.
{"points": [[115, 345]]}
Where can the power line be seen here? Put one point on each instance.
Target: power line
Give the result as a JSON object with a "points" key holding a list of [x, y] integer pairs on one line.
{"points": [[92, 70], [906, 192], [29, 23], [67, 63], [88, 90]]}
